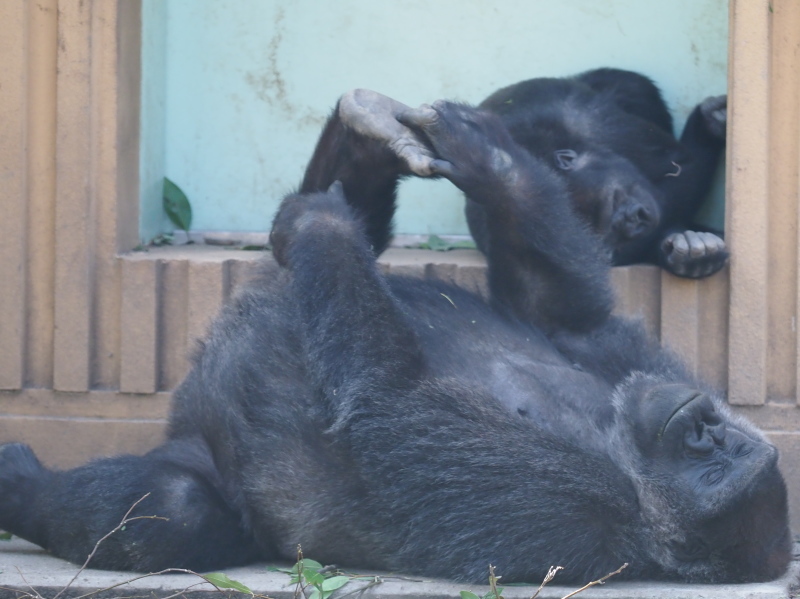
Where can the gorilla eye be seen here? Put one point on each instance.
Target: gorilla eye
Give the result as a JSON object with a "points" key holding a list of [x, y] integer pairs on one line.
{"points": [[565, 159]]}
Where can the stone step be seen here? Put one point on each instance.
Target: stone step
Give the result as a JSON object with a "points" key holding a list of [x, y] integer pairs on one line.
{"points": [[27, 572]]}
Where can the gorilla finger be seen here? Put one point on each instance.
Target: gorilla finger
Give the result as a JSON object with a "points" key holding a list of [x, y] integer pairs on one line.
{"points": [[680, 246], [714, 244], [697, 248], [418, 118], [443, 168]]}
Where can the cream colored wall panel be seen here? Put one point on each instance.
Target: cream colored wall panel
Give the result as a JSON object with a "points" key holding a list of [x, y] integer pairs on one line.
{"points": [[139, 350], [173, 323], [74, 280], [680, 318], [13, 191], [784, 134], [207, 288], [747, 223], [637, 291], [41, 186]]}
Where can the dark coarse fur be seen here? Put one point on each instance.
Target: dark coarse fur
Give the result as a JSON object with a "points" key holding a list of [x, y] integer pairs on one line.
{"points": [[608, 134], [409, 425]]}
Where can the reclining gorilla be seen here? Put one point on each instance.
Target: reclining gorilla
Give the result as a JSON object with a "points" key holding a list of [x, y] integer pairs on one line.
{"points": [[409, 425], [608, 134]]}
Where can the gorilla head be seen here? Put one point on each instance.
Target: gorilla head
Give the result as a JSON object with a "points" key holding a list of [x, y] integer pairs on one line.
{"points": [[708, 480]]}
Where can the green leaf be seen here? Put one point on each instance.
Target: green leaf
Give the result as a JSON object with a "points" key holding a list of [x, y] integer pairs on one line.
{"points": [[177, 205], [315, 594], [222, 581], [307, 564], [334, 582], [5, 536], [313, 577], [468, 595]]}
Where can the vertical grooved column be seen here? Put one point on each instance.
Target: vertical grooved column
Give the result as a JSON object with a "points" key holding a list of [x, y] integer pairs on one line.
{"points": [[712, 332], [13, 191], [74, 280], [41, 151], [783, 135], [637, 290], [173, 322], [680, 318], [207, 290], [747, 208], [139, 351]]}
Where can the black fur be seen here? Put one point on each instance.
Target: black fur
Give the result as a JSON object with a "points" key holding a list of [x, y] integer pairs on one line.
{"points": [[409, 425], [608, 134]]}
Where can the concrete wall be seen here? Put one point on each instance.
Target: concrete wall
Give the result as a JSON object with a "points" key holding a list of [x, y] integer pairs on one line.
{"points": [[94, 337], [250, 82]]}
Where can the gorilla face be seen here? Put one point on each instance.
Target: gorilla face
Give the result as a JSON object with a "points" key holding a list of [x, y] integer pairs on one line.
{"points": [[693, 452], [610, 194]]}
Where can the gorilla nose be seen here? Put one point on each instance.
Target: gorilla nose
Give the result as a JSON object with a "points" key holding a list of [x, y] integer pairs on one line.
{"points": [[634, 219]]}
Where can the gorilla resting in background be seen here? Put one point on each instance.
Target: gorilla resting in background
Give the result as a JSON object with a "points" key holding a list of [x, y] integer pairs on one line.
{"points": [[408, 425], [607, 133]]}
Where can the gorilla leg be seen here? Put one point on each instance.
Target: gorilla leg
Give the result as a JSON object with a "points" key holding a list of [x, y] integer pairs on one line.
{"points": [[544, 266], [358, 340], [181, 520]]}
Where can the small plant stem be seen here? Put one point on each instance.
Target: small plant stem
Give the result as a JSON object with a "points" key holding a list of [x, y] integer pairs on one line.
{"points": [[551, 573], [598, 581]]}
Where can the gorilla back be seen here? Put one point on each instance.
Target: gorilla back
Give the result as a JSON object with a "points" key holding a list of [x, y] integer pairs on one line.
{"points": [[410, 425]]}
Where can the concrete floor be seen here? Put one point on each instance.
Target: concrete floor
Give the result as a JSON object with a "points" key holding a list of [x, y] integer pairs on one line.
{"points": [[27, 571]]}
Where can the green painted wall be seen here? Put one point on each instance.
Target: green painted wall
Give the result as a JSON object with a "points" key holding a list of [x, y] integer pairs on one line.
{"points": [[235, 91]]}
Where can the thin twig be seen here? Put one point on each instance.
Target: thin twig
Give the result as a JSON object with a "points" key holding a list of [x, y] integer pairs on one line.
{"points": [[377, 580], [551, 573], [598, 581], [22, 576], [125, 520]]}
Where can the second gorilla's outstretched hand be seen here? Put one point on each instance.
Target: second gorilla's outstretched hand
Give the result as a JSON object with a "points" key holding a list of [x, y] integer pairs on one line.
{"points": [[470, 166]]}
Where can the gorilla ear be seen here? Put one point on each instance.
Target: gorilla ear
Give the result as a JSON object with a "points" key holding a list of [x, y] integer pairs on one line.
{"points": [[565, 159]]}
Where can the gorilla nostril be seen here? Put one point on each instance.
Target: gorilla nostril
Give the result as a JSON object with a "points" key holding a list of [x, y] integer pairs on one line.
{"points": [[642, 215]]}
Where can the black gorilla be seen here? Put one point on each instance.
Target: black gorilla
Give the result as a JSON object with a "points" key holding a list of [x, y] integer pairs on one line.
{"points": [[408, 425], [608, 134]]}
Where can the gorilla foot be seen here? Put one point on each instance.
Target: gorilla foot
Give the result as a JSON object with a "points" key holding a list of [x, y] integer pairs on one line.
{"points": [[715, 114], [693, 255], [312, 213], [21, 473], [374, 115]]}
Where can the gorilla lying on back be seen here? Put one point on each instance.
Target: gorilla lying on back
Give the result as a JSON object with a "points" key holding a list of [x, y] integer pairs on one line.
{"points": [[408, 425], [608, 134]]}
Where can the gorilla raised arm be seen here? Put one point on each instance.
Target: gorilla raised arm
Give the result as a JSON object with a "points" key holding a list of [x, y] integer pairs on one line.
{"points": [[408, 425]]}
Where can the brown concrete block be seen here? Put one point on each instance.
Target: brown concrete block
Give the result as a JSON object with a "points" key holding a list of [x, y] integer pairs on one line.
{"points": [[141, 284], [13, 194], [68, 442], [207, 288], [680, 317], [173, 323], [638, 294]]}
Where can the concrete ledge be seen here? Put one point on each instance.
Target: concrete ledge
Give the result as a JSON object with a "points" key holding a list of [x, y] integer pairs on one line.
{"points": [[26, 570]]}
